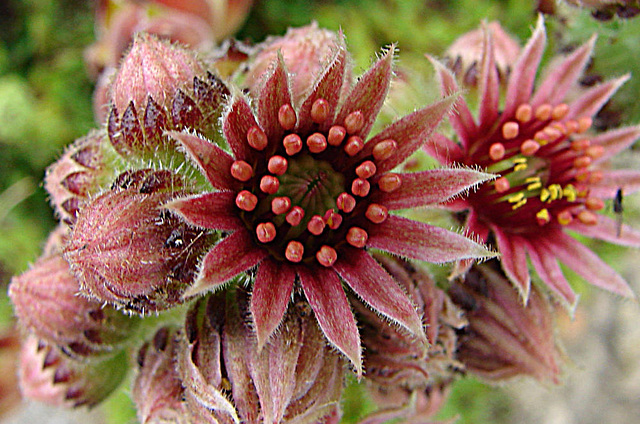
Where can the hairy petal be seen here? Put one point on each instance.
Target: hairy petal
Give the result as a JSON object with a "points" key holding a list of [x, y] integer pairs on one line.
{"points": [[514, 260], [627, 180], [274, 93], [489, 84], [236, 122], [418, 240], [615, 141], [608, 230], [378, 289], [444, 150], [210, 210], [594, 98], [324, 292]]}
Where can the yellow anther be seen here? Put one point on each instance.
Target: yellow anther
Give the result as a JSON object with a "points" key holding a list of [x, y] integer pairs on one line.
{"points": [[519, 204], [520, 160], [556, 192], [534, 186], [516, 198], [544, 195], [520, 167], [532, 180], [543, 216], [570, 193]]}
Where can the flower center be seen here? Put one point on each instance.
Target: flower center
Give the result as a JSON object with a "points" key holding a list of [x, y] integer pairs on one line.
{"points": [[545, 168]]}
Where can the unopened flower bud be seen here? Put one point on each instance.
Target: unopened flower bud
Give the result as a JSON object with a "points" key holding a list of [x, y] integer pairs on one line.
{"points": [[127, 250], [47, 375]]}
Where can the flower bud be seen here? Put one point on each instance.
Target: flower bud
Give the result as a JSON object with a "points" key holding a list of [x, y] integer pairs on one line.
{"points": [[505, 338], [157, 390], [77, 175], [293, 375], [47, 375], [126, 250]]}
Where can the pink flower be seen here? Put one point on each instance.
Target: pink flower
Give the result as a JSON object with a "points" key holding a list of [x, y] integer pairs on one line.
{"points": [[303, 197], [553, 173]]}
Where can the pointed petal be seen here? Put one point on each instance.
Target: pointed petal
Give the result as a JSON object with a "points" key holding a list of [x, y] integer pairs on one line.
{"points": [[270, 297], [489, 84], [546, 265], [274, 93], [233, 255], [514, 261], [592, 100], [213, 162], [626, 179], [584, 262], [210, 210], [430, 187], [410, 132], [562, 77], [378, 289], [608, 230], [327, 87], [475, 230], [236, 123], [418, 240], [615, 141], [523, 74], [324, 292], [444, 150], [461, 118], [369, 93]]}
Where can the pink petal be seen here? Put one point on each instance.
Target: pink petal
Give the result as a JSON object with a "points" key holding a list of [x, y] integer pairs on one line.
{"points": [[430, 187], [594, 98], [514, 261], [410, 132], [236, 122], [610, 230], [369, 93], [274, 93], [523, 74], [475, 230], [216, 211], [444, 150], [378, 289], [214, 162], [546, 265], [489, 85], [270, 297], [615, 141], [626, 179], [461, 118], [588, 265], [233, 255], [418, 240], [564, 76], [324, 292], [327, 87]]}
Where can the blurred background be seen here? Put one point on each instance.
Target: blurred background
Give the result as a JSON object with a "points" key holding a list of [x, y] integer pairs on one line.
{"points": [[46, 93]]}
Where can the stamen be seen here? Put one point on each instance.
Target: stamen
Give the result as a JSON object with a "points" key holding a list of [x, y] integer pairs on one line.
{"points": [[366, 169], [543, 217], [357, 237], [560, 111], [326, 256], [565, 217], [519, 204], [570, 193], [246, 200], [316, 225], [333, 219], [534, 183], [319, 111], [596, 176], [545, 194], [336, 135], [555, 192], [529, 148], [269, 184], [266, 232], [524, 113], [502, 184], [596, 151], [543, 112], [360, 187], [594, 203], [571, 126], [510, 130], [257, 138], [241, 170], [384, 149], [582, 161], [295, 215], [584, 124], [294, 251], [277, 165], [552, 133], [520, 164], [292, 144], [376, 213], [354, 145], [346, 202], [496, 151], [587, 217], [389, 182], [515, 198], [280, 205], [580, 144], [317, 143], [354, 122], [287, 117], [541, 137]]}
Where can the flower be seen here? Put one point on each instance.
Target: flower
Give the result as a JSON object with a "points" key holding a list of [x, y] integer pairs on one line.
{"points": [[303, 196], [553, 170]]}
